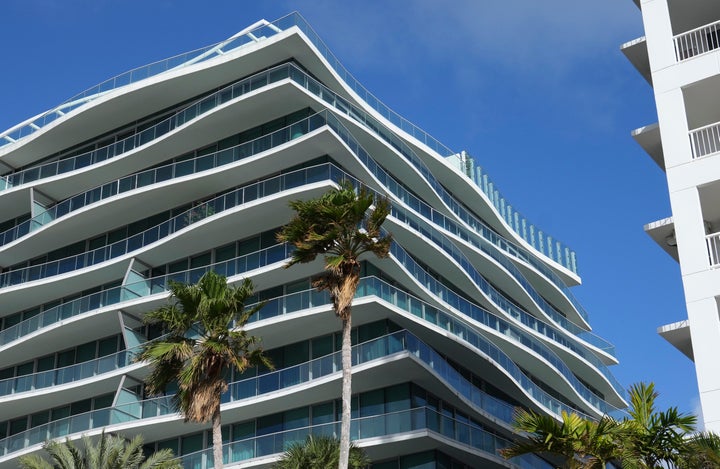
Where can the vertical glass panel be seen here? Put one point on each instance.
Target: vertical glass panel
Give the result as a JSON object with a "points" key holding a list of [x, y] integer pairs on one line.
{"points": [[322, 413], [80, 407], [322, 346], [60, 413], [225, 253], [18, 425], [172, 444], [296, 353], [296, 418], [66, 358], [191, 443], [269, 424], [46, 363], [372, 403], [248, 245], [85, 352], [107, 346], [101, 402]]}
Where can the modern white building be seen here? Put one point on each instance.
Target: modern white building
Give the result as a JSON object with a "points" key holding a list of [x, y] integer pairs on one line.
{"points": [[187, 165], [679, 57]]}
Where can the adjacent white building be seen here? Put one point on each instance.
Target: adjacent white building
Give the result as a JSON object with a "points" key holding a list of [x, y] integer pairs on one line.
{"points": [[188, 164], [679, 57]]}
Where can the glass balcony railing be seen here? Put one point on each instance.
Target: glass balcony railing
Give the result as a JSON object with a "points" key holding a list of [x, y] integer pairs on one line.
{"points": [[188, 58], [554, 334], [287, 304], [341, 105], [153, 234], [375, 426], [543, 243], [154, 285], [68, 374], [247, 388], [515, 220], [376, 287], [271, 186], [230, 155], [511, 331], [164, 173], [276, 254], [121, 147], [295, 179], [254, 82]]}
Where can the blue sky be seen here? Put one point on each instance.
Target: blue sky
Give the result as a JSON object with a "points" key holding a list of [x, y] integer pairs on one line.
{"points": [[537, 91]]}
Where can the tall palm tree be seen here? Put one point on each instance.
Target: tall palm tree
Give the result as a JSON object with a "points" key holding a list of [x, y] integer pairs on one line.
{"points": [[341, 226], [109, 452], [653, 439], [320, 452], [578, 442], [206, 340]]}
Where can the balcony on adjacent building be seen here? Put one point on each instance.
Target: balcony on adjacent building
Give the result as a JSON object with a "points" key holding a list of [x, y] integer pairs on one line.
{"points": [[703, 116], [663, 233], [697, 41], [696, 27], [636, 52], [648, 137], [678, 334]]}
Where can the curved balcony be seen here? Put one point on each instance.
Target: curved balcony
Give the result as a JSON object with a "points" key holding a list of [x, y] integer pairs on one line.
{"points": [[181, 117], [227, 156], [155, 285], [248, 388], [510, 331], [182, 220], [333, 173], [249, 35], [282, 136], [426, 420], [207, 162], [462, 330], [416, 308], [552, 334], [68, 374], [280, 253], [444, 243], [545, 246]]}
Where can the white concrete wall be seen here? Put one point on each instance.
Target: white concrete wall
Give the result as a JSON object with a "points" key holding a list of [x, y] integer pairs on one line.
{"points": [[684, 176]]}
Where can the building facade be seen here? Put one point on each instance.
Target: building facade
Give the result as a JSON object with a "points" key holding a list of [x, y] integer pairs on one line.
{"points": [[187, 165], [680, 59]]}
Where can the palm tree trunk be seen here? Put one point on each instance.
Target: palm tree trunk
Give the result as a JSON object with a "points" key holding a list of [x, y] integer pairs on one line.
{"points": [[217, 438], [346, 393]]}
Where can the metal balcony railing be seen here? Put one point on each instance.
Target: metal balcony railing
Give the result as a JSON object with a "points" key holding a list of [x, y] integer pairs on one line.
{"points": [[705, 140], [713, 246], [698, 41]]}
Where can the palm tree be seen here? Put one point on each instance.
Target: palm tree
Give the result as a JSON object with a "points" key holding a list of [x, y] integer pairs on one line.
{"points": [[320, 452], [109, 452], [653, 439], [578, 442], [340, 225], [702, 451], [647, 439], [206, 340]]}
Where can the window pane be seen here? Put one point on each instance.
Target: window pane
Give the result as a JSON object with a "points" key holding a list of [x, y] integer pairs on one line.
{"points": [[192, 443]]}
